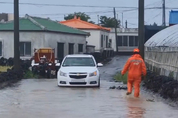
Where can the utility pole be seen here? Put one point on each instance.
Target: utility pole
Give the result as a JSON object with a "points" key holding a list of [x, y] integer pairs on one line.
{"points": [[141, 33], [115, 29], [164, 14], [126, 24], [16, 36], [98, 19], [122, 20]]}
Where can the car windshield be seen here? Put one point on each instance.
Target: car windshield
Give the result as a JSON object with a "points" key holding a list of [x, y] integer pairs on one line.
{"points": [[78, 61]]}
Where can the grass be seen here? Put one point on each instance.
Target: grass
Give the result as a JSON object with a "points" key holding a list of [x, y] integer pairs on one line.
{"points": [[29, 74], [120, 78], [4, 68]]}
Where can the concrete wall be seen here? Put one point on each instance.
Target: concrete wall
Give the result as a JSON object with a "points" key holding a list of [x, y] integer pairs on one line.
{"points": [[51, 40], [163, 62], [95, 38], [10, 16], [38, 40], [104, 33]]}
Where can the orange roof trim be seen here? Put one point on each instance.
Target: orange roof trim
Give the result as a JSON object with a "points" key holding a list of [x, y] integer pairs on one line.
{"points": [[80, 24]]}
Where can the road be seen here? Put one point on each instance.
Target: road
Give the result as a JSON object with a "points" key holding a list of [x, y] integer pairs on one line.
{"points": [[42, 98]]}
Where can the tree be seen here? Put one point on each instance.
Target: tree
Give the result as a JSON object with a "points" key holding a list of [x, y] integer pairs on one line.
{"points": [[108, 22], [155, 24], [82, 16]]}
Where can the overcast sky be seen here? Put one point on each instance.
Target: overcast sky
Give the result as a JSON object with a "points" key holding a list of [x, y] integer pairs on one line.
{"points": [[57, 12]]}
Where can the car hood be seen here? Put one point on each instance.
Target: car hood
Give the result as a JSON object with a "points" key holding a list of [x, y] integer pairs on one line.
{"points": [[78, 69]]}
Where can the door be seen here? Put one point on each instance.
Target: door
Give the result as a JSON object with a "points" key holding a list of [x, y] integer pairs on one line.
{"points": [[71, 48], [60, 51]]}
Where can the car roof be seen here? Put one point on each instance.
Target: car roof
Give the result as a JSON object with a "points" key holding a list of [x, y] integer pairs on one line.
{"points": [[79, 55]]}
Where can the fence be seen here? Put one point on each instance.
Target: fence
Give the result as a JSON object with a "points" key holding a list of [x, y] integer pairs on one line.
{"points": [[163, 63]]}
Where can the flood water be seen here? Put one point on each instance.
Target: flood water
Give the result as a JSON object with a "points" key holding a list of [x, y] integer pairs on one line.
{"points": [[42, 98]]}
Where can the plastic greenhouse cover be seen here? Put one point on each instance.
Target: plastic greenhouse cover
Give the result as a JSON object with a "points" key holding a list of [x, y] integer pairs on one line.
{"points": [[166, 37]]}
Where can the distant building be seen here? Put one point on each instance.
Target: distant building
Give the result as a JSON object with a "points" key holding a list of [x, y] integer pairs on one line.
{"points": [[99, 36], [173, 17], [127, 39], [4, 17]]}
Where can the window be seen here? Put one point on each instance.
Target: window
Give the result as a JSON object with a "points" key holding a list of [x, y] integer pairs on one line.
{"points": [[131, 40], [71, 48], [136, 41], [102, 40], [119, 40], [107, 42], [0, 48], [78, 61], [80, 47], [25, 48], [125, 40]]}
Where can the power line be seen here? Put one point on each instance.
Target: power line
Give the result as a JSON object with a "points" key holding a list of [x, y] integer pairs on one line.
{"points": [[64, 5], [154, 17]]}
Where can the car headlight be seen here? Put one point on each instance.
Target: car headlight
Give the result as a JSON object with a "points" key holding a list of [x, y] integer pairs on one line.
{"points": [[93, 74], [63, 74]]}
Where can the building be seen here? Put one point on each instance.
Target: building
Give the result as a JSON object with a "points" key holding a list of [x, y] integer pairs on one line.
{"points": [[4, 17], [173, 17], [127, 39], [99, 36], [38, 32]]}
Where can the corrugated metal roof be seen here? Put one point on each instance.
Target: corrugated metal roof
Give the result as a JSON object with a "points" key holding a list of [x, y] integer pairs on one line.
{"points": [[166, 37], [173, 17]]}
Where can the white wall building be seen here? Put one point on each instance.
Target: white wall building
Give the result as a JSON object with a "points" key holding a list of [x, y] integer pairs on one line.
{"points": [[127, 39], [4, 17], [99, 36]]}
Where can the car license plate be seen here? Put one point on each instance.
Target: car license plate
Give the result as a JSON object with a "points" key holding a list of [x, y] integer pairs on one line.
{"points": [[78, 80]]}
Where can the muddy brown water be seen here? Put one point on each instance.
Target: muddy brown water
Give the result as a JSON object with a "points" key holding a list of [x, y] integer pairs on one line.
{"points": [[33, 98]]}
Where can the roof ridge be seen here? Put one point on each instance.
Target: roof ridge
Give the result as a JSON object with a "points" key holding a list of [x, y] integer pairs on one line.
{"points": [[85, 22], [68, 26], [35, 22], [92, 24]]}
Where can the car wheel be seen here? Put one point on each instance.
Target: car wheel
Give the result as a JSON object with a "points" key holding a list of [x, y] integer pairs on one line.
{"points": [[49, 73], [98, 84]]}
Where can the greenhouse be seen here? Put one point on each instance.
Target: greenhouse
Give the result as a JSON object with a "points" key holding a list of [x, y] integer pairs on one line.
{"points": [[161, 52]]}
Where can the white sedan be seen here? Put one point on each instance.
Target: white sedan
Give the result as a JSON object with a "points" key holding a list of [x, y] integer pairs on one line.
{"points": [[79, 70]]}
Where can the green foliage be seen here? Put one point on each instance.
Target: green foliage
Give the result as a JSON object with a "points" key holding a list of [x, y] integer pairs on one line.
{"points": [[82, 16], [109, 22], [121, 78], [29, 74], [171, 74]]}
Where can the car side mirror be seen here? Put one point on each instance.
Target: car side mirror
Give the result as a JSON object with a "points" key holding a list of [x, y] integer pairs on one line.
{"points": [[99, 64]]}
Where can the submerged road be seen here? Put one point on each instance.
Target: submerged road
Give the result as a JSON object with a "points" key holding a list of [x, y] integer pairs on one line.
{"points": [[42, 98]]}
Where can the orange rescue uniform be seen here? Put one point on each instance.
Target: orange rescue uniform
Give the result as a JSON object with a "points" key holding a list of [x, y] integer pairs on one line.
{"points": [[136, 68]]}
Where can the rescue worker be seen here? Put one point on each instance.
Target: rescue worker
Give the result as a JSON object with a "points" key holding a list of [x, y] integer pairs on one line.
{"points": [[136, 68]]}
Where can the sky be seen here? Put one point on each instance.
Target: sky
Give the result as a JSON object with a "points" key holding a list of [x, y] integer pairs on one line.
{"points": [[56, 11]]}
